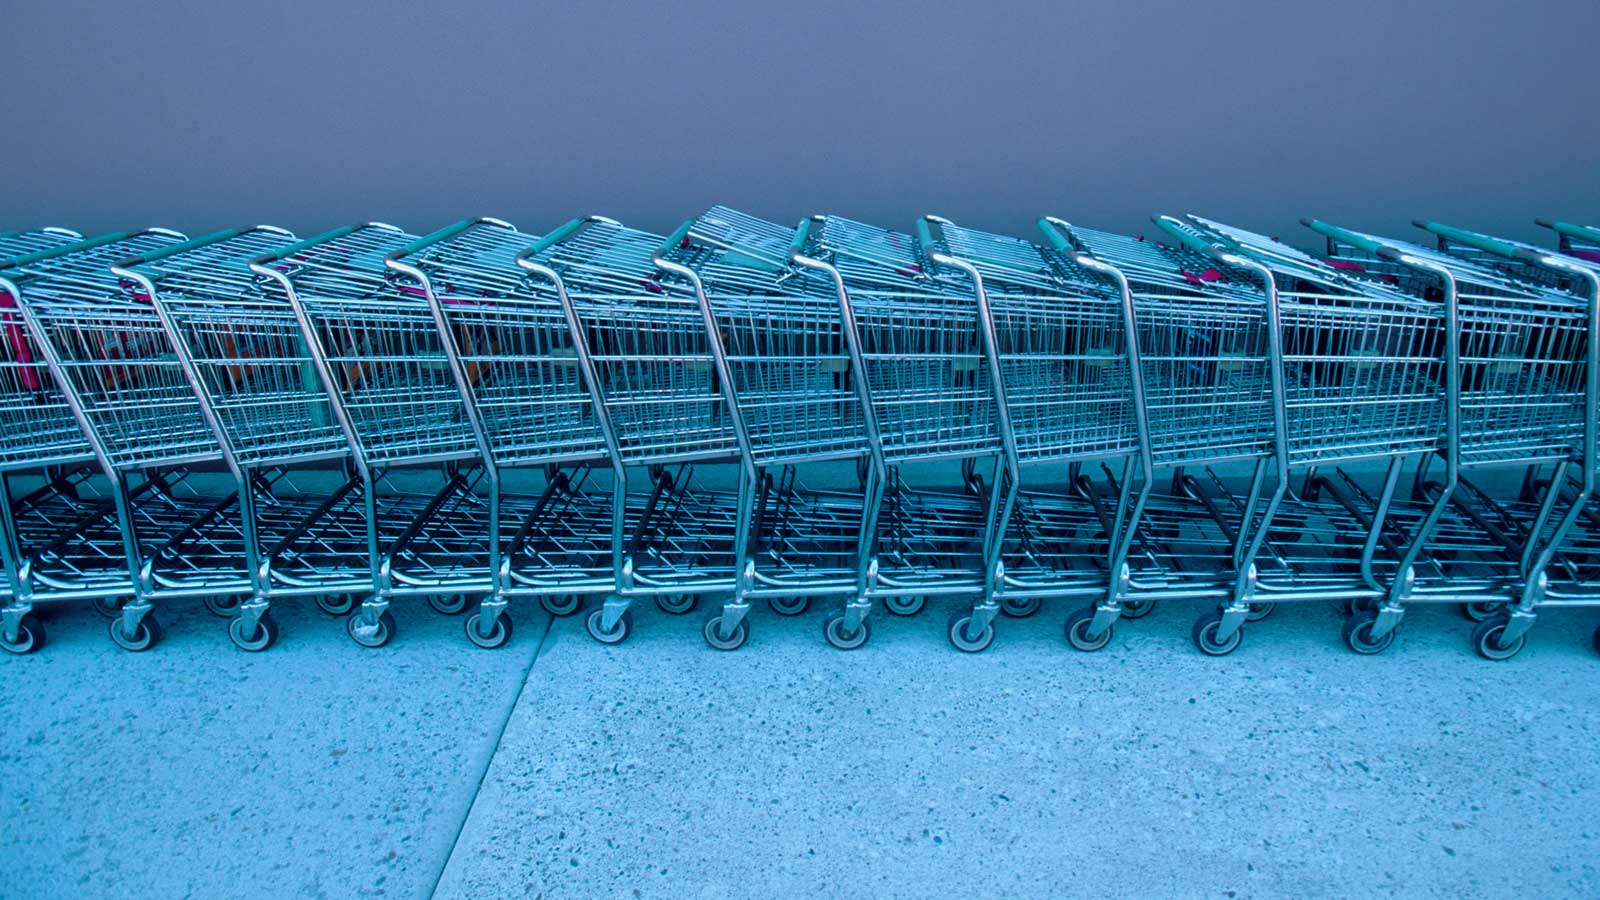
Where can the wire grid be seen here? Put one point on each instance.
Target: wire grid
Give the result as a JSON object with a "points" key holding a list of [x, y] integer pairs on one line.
{"points": [[246, 346], [782, 336], [516, 346], [648, 342]]}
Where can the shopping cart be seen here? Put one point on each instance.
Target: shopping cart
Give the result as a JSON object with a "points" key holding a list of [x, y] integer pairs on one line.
{"points": [[782, 362], [418, 462], [1059, 325], [646, 353], [930, 401], [1578, 241], [1527, 402], [514, 354], [108, 353]]}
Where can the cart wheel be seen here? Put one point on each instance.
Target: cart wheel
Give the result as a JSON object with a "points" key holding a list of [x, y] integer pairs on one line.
{"points": [[833, 630], [1078, 631], [225, 607], [496, 638], [904, 606], [789, 606], [616, 635], [1478, 610], [1358, 634], [712, 632], [383, 634], [448, 604], [1020, 607], [676, 604], [335, 604], [110, 607], [147, 635], [1259, 611], [30, 636], [1138, 609], [564, 605], [266, 633], [1204, 636], [1486, 639], [960, 640]]}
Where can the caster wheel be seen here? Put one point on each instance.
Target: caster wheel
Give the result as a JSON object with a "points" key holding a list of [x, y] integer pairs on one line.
{"points": [[266, 633], [147, 635], [1358, 634], [1020, 607], [904, 606], [616, 635], [1138, 609], [373, 638], [562, 606], [223, 607], [713, 634], [676, 604], [1479, 610], [497, 636], [335, 604], [789, 606], [1204, 636], [1486, 639], [1259, 611], [110, 607], [961, 640], [1078, 632], [448, 604], [833, 631], [30, 637]]}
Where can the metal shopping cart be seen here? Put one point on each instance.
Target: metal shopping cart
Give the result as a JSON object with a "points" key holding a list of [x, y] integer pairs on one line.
{"points": [[782, 361], [418, 462], [513, 351], [1527, 402], [1578, 241], [106, 348], [646, 352]]}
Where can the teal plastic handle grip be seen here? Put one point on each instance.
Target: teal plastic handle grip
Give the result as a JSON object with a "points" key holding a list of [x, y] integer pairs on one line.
{"points": [[195, 243], [1581, 232], [428, 240], [675, 238], [1473, 239], [925, 237], [802, 233], [553, 238], [1364, 244], [48, 252], [308, 243], [1175, 229], [1052, 233]]}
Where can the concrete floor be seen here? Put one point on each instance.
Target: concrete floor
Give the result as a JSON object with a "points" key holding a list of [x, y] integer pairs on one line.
{"points": [[788, 769]]}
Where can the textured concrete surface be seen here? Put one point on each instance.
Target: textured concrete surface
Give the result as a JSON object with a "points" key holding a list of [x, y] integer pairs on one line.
{"points": [[789, 769]]}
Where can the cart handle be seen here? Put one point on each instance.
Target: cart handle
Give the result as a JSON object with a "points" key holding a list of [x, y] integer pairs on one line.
{"points": [[296, 247], [1053, 229], [1480, 241], [51, 252], [445, 234], [1179, 230], [925, 236], [1364, 244], [195, 243], [674, 239], [1567, 229]]}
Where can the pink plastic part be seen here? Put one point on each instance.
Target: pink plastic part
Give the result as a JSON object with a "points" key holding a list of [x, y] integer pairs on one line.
{"points": [[19, 345], [1345, 265]]}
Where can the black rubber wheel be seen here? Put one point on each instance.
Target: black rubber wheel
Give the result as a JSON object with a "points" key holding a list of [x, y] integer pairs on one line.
{"points": [[1138, 609], [677, 604], [1204, 635], [1486, 639], [448, 604], [1259, 611], [266, 633], [562, 606], [904, 606], [110, 607], [712, 632], [496, 638], [959, 639], [381, 636], [147, 635], [335, 604], [833, 631], [30, 637], [1020, 607], [1358, 634], [1478, 610], [225, 607], [616, 635], [1077, 631], [789, 606]]}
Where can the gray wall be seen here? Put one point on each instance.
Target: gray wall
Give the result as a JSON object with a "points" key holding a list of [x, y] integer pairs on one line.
{"points": [[202, 115]]}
